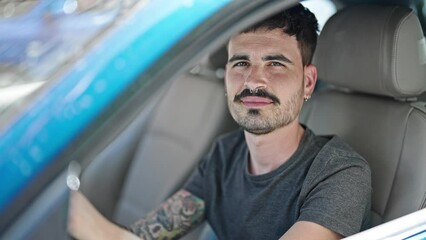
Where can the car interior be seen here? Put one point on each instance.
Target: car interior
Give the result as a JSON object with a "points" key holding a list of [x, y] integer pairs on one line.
{"points": [[371, 62]]}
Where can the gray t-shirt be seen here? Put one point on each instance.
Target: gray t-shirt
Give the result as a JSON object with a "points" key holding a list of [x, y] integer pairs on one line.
{"points": [[324, 181]]}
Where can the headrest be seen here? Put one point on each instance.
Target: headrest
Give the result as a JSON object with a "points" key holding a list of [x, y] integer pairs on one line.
{"points": [[374, 49], [212, 65]]}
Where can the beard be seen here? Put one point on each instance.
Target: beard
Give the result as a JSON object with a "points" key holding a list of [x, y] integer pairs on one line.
{"points": [[265, 120]]}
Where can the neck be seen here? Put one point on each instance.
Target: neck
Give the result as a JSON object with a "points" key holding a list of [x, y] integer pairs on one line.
{"points": [[269, 151]]}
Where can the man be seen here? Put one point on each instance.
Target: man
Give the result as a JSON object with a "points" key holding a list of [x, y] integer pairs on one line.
{"points": [[273, 179]]}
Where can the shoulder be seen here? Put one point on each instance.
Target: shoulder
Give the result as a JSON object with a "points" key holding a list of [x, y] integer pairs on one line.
{"points": [[337, 156], [337, 152], [331, 146]]}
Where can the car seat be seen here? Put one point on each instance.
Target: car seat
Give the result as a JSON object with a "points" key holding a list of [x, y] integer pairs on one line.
{"points": [[154, 156], [374, 58]]}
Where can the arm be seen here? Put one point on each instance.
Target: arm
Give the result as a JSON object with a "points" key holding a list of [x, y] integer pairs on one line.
{"points": [[174, 218], [305, 230]]}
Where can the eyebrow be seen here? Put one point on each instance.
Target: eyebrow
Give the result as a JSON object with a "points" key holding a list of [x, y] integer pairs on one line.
{"points": [[238, 58], [278, 57]]}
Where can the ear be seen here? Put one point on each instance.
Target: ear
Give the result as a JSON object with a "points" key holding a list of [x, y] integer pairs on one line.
{"points": [[310, 79]]}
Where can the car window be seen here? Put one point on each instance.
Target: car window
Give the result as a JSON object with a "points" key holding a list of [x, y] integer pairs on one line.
{"points": [[323, 10], [15, 8], [92, 86], [38, 37], [420, 7]]}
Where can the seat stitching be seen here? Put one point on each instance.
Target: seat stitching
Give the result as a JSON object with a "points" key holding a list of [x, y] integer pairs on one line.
{"points": [[396, 38], [399, 162]]}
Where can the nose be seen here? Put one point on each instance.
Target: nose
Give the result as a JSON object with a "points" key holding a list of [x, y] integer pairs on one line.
{"points": [[255, 78]]}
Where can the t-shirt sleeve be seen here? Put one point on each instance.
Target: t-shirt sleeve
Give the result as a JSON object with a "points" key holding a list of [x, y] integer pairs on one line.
{"points": [[195, 183], [203, 180], [340, 198]]}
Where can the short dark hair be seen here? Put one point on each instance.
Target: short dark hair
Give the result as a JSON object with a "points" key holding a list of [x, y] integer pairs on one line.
{"points": [[298, 21]]}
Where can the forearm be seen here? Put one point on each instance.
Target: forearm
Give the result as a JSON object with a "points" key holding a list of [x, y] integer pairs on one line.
{"points": [[112, 231], [304, 230], [177, 216]]}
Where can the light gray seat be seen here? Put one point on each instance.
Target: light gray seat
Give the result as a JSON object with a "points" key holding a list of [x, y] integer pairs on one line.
{"points": [[185, 123], [374, 58], [155, 155]]}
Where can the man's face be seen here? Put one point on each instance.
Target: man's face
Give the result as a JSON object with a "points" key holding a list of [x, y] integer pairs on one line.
{"points": [[264, 80]]}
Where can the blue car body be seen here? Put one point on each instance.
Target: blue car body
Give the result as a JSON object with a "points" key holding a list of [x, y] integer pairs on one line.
{"points": [[68, 105]]}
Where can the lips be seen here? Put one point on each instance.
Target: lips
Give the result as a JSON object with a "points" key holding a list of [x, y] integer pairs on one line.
{"points": [[256, 99], [255, 102]]}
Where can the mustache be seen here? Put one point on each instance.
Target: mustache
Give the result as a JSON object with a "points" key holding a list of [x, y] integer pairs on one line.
{"points": [[257, 93]]}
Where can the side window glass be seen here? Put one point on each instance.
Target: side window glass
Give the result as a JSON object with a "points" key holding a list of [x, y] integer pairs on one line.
{"points": [[38, 37], [323, 10], [420, 7]]}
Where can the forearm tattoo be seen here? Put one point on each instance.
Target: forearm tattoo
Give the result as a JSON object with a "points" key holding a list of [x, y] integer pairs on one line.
{"points": [[177, 216]]}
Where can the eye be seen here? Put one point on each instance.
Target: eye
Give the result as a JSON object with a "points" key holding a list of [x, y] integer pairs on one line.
{"points": [[277, 64], [241, 64]]}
